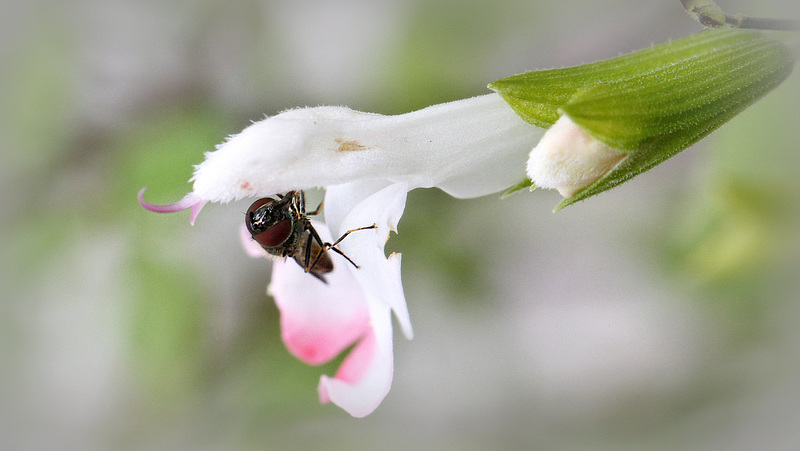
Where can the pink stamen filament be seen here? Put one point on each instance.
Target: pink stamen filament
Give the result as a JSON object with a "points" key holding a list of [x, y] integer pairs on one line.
{"points": [[189, 201]]}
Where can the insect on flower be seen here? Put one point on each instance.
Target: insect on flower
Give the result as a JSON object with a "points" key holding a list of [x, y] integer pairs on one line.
{"points": [[281, 226]]}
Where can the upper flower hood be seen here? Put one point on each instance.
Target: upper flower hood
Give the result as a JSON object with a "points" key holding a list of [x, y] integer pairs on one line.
{"points": [[467, 148]]}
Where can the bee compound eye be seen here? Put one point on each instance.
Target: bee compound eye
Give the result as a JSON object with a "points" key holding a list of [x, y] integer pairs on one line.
{"points": [[274, 235]]}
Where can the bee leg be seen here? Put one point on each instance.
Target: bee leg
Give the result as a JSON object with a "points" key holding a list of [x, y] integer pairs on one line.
{"points": [[300, 199], [336, 249], [284, 199], [302, 205], [332, 246], [316, 210], [306, 266], [312, 234], [344, 235]]}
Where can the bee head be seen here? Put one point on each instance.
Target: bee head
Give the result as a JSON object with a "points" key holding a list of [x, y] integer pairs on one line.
{"points": [[269, 222]]}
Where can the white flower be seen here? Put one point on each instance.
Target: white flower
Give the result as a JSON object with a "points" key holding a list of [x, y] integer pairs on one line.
{"points": [[568, 159], [367, 163]]}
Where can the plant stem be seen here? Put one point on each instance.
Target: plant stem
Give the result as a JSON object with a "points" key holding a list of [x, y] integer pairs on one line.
{"points": [[710, 15], [762, 23]]}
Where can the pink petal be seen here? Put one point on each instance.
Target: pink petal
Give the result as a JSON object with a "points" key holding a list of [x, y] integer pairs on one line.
{"points": [[365, 376], [191, 200], [353, 368], [357, 363], [318, 320]]}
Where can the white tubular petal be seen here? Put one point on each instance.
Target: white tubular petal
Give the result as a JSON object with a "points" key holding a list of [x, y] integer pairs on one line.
{"points": [[340, 200], [568, 159], [468, 148], [378, 276]]}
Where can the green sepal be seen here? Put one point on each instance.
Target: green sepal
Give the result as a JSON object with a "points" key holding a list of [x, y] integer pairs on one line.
{"points": [[678, 104], [537, 96], [524, 183], [653, 103]]}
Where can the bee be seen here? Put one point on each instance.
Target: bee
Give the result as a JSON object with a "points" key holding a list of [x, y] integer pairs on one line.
{"points": [[281, 226]]}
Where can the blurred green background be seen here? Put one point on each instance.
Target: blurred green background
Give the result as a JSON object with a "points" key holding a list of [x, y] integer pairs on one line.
{"points": [[660, 315]]}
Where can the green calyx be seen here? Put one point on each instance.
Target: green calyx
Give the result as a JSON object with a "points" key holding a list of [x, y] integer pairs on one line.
{"points": [[653, 103]]}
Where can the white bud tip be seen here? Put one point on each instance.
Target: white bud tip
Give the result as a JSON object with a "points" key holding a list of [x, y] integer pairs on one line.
{"points": [[568, 159]]}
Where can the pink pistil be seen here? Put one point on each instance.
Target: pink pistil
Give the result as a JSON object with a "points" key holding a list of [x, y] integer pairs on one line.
{"points": [[189, 201]]}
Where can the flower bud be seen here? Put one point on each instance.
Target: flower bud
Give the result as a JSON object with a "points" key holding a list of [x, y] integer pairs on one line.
{"points": [[625, 115], [568, 159]]}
